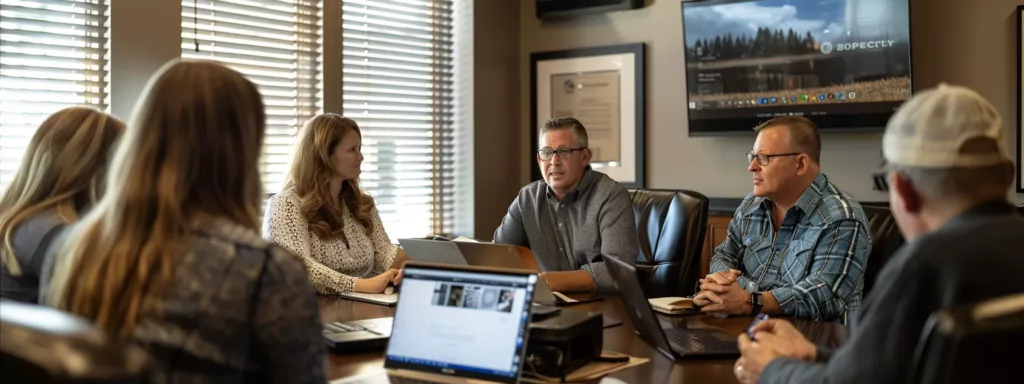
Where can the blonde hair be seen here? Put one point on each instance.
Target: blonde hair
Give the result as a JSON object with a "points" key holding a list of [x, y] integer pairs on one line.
{"points": [[62, 170], [190, 154], [311, 172]]}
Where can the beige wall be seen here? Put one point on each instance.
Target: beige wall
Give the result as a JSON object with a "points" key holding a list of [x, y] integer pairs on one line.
{"points": [[496, 112], [971, 45], [142, 39]]}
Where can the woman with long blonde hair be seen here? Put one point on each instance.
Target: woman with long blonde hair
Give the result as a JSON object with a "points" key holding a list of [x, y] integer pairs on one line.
{"points": [[58, 180], [325, 218], [171, 255]]}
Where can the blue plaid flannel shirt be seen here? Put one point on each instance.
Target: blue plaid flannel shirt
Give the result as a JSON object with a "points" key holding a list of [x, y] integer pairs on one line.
{"points": [[814, 266]]}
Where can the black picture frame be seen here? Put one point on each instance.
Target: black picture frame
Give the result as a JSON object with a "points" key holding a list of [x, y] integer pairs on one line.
{"points": [[639, 121], [1020, 99]]}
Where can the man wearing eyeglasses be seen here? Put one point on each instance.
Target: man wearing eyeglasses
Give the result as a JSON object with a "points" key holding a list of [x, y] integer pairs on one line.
{"points": [[573, 218], [948, 169], [797, 245]]}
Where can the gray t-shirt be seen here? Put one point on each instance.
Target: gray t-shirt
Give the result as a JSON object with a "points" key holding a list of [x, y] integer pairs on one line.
{"points": [[594, 221], [31, 240]]}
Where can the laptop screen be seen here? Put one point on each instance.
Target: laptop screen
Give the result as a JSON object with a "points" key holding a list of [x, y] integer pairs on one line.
{"points": [[461, 323]]}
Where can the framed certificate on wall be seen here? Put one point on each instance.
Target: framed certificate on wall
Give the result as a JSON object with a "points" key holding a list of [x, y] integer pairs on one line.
{"points": [[603, 88]]}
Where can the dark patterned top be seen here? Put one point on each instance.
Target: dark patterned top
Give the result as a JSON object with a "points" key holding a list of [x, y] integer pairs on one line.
{"points": [[239, 310]]}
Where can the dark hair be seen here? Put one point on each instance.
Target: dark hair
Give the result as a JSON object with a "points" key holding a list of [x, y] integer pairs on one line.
{"points": [[803, 134], [579, 133]]}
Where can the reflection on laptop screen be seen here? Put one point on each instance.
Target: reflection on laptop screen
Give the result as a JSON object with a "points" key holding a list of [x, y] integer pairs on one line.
{"points": [[461, 323]]}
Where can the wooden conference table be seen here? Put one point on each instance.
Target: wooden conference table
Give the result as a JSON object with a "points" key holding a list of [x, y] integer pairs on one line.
{"points": [[619, 338]]}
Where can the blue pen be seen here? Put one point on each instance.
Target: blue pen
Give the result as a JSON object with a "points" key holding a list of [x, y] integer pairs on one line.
{"points": [[757, 319]]}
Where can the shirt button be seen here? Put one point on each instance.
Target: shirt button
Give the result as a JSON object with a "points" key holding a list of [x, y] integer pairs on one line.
{"points": [[560, 225]]}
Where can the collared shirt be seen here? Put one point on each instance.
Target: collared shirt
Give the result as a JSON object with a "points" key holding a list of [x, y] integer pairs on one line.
{"points": [[814, 264], [975, 256], [593, 221]]}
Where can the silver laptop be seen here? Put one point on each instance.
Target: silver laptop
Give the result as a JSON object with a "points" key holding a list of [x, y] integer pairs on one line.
{"points": [[433, 251], [455, 324], [477, 254]]}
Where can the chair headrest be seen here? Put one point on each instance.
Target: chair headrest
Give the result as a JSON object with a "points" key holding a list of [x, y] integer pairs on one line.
{"points": [[63, 345]]}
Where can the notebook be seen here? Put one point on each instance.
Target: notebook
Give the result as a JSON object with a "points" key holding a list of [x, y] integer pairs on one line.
{"points": [[672, 305]]}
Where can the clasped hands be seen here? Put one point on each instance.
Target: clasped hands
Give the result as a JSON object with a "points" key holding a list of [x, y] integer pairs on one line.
{"points": [[377, 283], [720, 293]]}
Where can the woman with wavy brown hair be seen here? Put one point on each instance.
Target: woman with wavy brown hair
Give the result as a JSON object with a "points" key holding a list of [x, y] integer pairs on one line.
{"points": [[323, 216], [60, 177], [171, 256]]}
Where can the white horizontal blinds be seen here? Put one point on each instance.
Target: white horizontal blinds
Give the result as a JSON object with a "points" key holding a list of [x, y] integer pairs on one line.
{"points": [[53, 55], [398, 85], [275, 44]]}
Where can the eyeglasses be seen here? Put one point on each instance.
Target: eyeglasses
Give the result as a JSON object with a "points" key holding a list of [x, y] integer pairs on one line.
{"points": [[763, 159], [564, 153]]}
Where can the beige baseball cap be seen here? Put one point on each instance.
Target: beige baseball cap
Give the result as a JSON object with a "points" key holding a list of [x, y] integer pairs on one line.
{"points": [[944, 127]]}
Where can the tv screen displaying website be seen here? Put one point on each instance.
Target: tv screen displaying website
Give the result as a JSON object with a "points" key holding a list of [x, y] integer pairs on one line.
{"points": [[845, 64]]}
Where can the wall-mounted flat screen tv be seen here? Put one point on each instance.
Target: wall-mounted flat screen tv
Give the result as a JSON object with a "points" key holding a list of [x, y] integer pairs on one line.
{"points": [[845, 64]]}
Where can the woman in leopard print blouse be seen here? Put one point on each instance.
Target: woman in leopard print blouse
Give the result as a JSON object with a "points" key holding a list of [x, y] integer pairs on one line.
{"points": [[325, 218]]}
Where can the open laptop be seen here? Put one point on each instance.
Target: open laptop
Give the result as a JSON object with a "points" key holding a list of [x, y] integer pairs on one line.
{"points": [[453, 324], [673, 342], [385, 299], [477, 254]]}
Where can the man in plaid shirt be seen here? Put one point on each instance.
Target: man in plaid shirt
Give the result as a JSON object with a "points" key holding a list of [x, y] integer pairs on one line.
{"points": [[797, 245]]}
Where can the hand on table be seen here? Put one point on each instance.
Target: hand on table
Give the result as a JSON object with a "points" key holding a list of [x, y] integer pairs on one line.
{"points": [[722, 277], [774, 339], [726, 299], [377, 283], [720, 293]]}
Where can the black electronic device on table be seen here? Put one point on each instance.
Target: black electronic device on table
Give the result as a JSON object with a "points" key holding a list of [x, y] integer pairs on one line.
{"points": [[673, 342], [358, 336]]}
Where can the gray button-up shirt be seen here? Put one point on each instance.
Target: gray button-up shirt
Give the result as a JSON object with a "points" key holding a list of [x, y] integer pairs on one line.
{"points": [[591, 222]]}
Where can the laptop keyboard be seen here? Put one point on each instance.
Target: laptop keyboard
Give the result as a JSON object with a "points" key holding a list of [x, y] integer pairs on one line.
{"points": [[692, 341], [383, 379], [394, 379], [381, 326]]}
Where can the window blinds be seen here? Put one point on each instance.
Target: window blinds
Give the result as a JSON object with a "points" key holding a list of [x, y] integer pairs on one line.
{"points": [[275, 44], [53, 54], [398, 85]]}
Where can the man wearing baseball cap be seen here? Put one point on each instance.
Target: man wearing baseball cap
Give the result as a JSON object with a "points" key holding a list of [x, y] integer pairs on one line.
{"points": [[949, 174]]}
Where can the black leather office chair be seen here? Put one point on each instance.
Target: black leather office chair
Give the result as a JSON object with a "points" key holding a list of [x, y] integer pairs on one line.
{"points": [[977, 343], [43, 345], [670, 227], [885, 240]]}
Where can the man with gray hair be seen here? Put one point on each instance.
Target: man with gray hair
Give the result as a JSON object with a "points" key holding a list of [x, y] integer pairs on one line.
{"points": [[949, 174], [573, 218]]}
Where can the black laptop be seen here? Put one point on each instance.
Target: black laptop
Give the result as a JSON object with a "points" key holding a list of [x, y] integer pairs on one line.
{"points": [[673, 342], [358, 336]]}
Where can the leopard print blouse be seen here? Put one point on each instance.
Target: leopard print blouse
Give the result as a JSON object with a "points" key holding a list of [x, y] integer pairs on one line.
{"points": [[332, 267]]}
